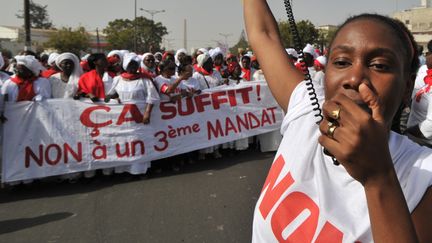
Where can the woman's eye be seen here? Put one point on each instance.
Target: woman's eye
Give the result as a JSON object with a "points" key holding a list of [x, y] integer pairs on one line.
{"points": [[380, 66], [341, 63]]}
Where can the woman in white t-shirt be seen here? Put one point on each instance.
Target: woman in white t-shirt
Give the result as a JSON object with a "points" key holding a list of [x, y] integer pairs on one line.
{"points": [[381, 192]]}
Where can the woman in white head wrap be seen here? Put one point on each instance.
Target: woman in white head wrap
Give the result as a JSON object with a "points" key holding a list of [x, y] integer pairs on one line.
{"points": [[205, 74], [178, 55], [26, 84], [132, 87], [148, 65], [65, 83], [207, 79], [53, 68], [319, 65]]}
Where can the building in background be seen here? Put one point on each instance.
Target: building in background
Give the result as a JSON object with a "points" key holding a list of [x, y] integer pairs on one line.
{"points": [[12, 39], [419, 21]]}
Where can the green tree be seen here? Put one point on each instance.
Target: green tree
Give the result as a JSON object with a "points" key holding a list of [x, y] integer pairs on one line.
{"points": [[307, 32], [68, 40], [39, 17], [120, 33], [241, 44], [325, 37]]}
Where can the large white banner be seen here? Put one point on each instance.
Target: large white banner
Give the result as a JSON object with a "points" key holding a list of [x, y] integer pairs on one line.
{"points": [[61, 136]]}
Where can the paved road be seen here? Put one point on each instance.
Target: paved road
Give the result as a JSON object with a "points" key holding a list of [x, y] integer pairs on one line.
{"points": [[210, 201]]}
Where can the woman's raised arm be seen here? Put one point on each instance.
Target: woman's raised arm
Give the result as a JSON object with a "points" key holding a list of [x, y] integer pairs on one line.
{"points": [[263, 35]]}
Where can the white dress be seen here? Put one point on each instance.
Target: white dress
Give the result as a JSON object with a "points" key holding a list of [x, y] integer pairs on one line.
{"points": [[419, 82], [191, 84], [162, 85], [132, 91], [269, 142], [208, 81], [41, 87], [421, 115]]}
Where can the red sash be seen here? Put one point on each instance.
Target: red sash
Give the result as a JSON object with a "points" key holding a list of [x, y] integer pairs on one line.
{"points": [[49, 72], [25, 88], [131, 76], [147, 74], [91, 83], [247, 74], [203, 71]]}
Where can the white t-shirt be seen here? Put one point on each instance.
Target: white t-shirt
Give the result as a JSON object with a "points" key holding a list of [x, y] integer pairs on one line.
{"points": [[419, 82], [258, 75], [307, 199], [421, 115], [41, 87], [3, 77], [319, 78], [191, 84], [208, 81], [134, 90], [162, 86]]}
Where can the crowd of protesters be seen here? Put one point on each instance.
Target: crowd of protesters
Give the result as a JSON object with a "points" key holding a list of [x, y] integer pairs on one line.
{"points": [[166, 77], [125, 76]]}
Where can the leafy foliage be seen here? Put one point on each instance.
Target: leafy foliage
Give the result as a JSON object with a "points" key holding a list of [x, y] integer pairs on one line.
{"points": [[307, 31], [241, 44], [121, 34], [68, 40], [39, 17]]}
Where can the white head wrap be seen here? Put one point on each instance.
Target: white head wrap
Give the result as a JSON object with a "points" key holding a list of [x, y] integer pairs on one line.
{"points": [[52, 58], [31, 63], [311, 50], [123, 53], [1, 61], [128, 58], [116, 52], [292, 52], [201, 59], [143, 58], [72, 85], [85, 57], [203, 50], [322, 60], [180, 51], [214, 52]]}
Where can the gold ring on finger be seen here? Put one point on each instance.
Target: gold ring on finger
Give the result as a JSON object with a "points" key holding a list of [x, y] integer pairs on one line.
{"points": [[331, 130], [336, 113]]}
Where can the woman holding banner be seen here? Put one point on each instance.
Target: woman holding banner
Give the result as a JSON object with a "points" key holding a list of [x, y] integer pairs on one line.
{"points": [[65, 83], [131, 87], [381, 192], [25, 85], [95, 83]]}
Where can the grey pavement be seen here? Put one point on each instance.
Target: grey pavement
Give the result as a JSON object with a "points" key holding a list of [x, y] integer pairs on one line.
{"points": [[209, 201]]}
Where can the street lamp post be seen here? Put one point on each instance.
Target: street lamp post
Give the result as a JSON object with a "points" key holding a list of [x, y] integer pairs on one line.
{"points": [[152, 13], [135, 29]]}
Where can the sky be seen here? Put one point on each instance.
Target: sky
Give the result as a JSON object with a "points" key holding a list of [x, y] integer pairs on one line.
{"points": [[207, 20]]}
